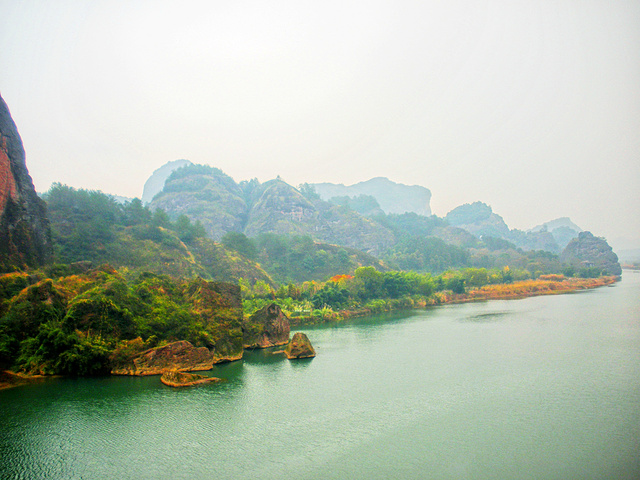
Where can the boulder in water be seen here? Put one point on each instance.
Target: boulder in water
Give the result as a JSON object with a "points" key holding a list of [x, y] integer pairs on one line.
{"points": [[268, 327], [299, 347]]}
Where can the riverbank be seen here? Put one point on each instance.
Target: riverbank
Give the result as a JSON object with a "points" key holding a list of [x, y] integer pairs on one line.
{"points": [[544, 285], [10, 379], [530, 288]]}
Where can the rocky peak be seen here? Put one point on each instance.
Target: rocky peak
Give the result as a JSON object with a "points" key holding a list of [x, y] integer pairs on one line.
{"points": [[25, 237], [479, 219], [156, 181], [588, 251]]}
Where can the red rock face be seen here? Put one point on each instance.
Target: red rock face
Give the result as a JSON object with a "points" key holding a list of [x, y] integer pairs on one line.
{"points": [[268, 327], [7, 182], [25, 235], [181, 356]]}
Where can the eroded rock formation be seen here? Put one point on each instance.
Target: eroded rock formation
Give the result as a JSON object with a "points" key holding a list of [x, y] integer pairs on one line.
{"points": [[268, 327], [181, 356], [591, 252], [25, 237], [299, 347]]}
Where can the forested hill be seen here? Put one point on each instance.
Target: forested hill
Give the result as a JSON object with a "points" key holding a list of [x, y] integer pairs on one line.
{"points": [[90, 226]]}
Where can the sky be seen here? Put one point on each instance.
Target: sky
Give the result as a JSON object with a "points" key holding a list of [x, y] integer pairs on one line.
{"points": [[530, 107]]}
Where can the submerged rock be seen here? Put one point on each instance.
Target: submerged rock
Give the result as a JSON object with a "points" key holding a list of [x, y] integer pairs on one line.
{"points": [[175, 378], [181, 356], [268, 327], [299, 347]]}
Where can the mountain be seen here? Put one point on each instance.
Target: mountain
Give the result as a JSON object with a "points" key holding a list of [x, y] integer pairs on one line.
{"points": [[25, 237], [562, 229], [155, 183], [221, 205], [591, 253], [392, 197], [206, 194], [92, 227], [479, 219]]}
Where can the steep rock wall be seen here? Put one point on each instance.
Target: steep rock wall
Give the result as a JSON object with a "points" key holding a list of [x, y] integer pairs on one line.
{"points": [[25, 237]]}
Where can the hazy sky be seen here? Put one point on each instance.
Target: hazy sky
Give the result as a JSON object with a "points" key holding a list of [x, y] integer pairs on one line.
{"points": [[530, 106]]}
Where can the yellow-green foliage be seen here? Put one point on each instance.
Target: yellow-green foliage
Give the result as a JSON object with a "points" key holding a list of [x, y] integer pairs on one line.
{"points": [[80, 323]]}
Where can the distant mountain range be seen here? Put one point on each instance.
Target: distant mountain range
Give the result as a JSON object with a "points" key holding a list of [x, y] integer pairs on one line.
{"points": [[332, 213], [379, 217], [479, 219], [562, 229], [208, 195], [392, 197]]}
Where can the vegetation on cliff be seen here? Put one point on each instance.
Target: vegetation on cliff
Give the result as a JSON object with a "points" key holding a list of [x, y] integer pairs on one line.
{"points": [[84, 324], [25, 238], [91, 226], [589, 255]]}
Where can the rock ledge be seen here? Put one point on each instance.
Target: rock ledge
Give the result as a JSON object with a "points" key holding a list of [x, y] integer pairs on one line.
{"points": [[176, 379]]}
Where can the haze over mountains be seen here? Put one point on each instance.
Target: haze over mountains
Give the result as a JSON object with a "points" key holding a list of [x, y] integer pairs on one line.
{"points": [[222, 205], [378, 217], [391, 196]]}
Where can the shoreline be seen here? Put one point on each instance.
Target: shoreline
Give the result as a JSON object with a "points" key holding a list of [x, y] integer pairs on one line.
{"points": [[503, 291]]}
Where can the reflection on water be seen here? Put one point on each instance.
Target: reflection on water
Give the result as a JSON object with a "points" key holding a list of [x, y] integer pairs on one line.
{"points": [[486, 317], [545, 387]]}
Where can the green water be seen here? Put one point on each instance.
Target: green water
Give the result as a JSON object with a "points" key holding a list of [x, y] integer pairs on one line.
{"points": [[545, 387]]}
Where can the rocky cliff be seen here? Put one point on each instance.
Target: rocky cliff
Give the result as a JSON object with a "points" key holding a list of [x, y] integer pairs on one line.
{"points": [[180, 356], [156, 181], [25, 237], [591, 252], [221, 205], [267, 327]]}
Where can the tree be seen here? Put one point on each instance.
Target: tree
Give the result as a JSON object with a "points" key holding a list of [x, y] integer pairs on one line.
{"points": [[240, 243]]}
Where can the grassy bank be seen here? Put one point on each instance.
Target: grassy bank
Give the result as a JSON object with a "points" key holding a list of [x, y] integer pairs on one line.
{"points": [[545, 285]]}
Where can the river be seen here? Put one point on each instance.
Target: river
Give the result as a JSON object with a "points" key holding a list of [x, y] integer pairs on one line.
{"points": [[545, 387]]}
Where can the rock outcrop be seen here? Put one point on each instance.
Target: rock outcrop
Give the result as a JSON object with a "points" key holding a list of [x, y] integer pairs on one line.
{"points": [[591, 252], [219, 305], [181, 356], [268, 327], [177, 379], [155, 183], [25, 236], [299, 347]]}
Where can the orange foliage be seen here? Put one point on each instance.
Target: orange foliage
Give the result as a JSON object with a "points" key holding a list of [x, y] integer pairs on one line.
{"points": [[552, 276], [340, 278], [529, 288]]}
